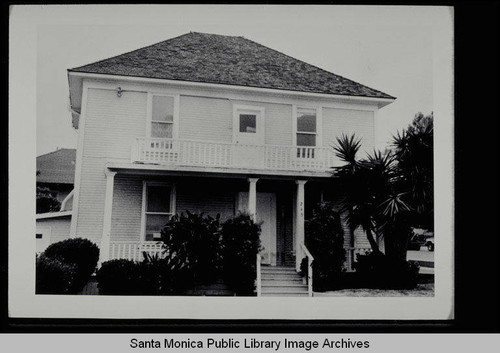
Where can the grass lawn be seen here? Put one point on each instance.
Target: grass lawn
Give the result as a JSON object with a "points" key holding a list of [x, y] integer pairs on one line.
{"points": [[422, 290]]}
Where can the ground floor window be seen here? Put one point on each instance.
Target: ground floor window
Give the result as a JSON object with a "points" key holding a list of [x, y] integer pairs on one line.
{"points": [[158, 206]]}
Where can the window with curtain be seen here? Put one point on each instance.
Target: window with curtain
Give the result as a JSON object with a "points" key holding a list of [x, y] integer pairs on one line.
{"points": [[162, 116]]}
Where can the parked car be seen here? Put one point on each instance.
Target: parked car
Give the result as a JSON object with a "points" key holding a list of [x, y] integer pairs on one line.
{"points": [[429, 243], [416, 242]]}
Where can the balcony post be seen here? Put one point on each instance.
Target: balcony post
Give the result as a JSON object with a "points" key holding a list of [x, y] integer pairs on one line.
{"points": [[252, 197], [108, 208], [299, 222]]}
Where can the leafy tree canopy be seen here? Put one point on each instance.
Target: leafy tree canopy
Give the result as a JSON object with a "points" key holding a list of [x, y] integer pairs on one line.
{"points": [[45, 201]]}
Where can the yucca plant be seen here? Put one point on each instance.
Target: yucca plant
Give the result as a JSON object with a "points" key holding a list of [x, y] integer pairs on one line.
{"points": [[371, 198], [386, 193]]}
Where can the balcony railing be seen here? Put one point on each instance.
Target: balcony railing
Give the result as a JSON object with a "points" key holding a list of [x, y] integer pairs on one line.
{"points": [[229, 155]]}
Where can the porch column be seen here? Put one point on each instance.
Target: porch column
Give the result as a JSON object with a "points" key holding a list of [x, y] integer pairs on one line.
{"points": [[108, 207], [252, 197], [299, 222]]}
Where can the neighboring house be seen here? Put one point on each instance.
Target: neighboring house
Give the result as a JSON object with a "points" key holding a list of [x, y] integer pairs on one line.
{"points": [[215, 124], [55, 171]]}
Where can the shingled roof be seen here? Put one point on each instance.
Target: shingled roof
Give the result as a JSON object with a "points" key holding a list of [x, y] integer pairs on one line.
{"points": [[56, 167], [211, 58]]}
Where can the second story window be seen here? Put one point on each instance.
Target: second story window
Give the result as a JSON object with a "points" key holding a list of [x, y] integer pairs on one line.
{"points": [[248, 125], [162, 116], [306, 127]]}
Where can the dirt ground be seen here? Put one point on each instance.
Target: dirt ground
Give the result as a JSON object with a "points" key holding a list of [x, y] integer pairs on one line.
{"points": [[422, 290]]}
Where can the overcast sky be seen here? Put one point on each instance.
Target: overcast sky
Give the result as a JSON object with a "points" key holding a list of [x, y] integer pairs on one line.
{"points": [[386, 48]]}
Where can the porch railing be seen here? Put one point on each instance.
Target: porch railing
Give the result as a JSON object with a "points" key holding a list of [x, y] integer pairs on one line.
{"points": [[310, 260], [134, 250], [259, 276], [230, 155], [351, 253]]}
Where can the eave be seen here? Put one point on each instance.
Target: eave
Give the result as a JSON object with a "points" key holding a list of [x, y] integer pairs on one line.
{"points": [[75, 80]]}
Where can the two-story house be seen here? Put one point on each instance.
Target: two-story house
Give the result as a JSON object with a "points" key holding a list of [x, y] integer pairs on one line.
{"points": [[215, 124]]}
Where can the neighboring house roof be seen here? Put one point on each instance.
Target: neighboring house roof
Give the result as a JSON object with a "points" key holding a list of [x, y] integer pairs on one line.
{"points": [[211, 58], [56, 167]]}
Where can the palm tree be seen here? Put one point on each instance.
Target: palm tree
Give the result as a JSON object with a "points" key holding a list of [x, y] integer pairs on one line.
{"points": [[371, 198], [387, 193], [413, 150]]}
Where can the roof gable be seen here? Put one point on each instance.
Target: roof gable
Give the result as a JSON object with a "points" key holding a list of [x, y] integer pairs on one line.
{"points": [[211, 58], [56, 167]]}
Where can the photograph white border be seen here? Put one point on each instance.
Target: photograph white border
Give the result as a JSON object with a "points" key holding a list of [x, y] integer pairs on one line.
{"points": [[22, 301]]}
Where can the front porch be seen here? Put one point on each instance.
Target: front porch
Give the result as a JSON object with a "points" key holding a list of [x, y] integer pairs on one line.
{"points": [[129, 227], [138, 204]]}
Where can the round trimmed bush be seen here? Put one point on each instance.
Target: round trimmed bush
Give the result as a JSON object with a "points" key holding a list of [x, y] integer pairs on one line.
{"points": [[81, 253], [53, 276], [118, 277]]}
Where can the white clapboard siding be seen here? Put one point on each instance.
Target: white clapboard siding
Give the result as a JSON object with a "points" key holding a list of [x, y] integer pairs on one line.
{"points": [[278, 122], [209, 202], [59, 227], [91, 199], [111, 125], [205, 119], [339, 121], [127, 208]]}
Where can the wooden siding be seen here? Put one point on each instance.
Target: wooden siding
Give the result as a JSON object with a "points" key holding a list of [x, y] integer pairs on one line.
{"points": [[339, 121], [205, 119], [59, 227], [207, 198], [111, 125], [211, 119], [127, 208], [278, 122]]}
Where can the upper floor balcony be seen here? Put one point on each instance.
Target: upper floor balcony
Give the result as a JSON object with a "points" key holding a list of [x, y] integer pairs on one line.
{"points": [[191, 153]]}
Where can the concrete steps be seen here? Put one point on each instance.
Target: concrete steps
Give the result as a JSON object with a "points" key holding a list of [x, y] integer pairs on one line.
{"points": [[282, 281]]}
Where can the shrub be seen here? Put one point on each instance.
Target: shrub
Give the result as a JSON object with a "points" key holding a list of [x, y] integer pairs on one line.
{"points": [[118, 277], [165, 276], [53, 276], [45, 201], [376, 270], [193, 240], [241, 244], [325, 240], [81, 253], [153, 276]]}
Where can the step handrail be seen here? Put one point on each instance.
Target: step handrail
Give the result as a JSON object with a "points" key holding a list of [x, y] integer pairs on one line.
{"points": [[310, 260], [259, 281]]}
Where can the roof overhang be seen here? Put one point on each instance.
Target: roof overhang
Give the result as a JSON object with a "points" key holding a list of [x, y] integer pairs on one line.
{"points": [[238, 173], [76, 82], [54, 215]]}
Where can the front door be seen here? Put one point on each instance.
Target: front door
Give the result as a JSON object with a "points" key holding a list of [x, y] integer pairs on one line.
{"points": [[248, 136], [266, 213]]}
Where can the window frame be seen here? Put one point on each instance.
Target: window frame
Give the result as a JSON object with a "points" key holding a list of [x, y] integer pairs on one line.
{"points": [[259, 111], [319, 124], [149, 114], [144, 212]]}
